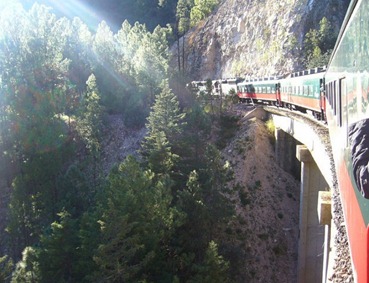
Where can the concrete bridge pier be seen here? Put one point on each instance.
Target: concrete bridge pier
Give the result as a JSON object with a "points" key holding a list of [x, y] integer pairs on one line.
{"points": [[311, 252], [285, 150]]}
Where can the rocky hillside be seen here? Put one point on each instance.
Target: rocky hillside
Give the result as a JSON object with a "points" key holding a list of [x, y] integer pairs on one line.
{"points": [[266, 199], [255, 37]]}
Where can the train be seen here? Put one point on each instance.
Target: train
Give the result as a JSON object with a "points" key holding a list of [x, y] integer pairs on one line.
{"points": [[347, 112], [339, 95], [299, 90]]}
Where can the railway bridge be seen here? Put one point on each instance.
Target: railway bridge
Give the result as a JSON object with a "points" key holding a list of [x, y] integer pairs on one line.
{"points": [[305, 147]]}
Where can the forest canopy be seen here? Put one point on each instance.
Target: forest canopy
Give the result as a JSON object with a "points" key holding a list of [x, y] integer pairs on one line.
{"points": [[151, 219]]}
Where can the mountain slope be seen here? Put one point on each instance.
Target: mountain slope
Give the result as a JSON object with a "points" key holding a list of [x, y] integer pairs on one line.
{"points": [[255, 37]]}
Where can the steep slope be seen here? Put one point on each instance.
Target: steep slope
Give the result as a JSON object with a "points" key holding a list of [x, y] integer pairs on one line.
{"points": [[267, 204], [255, 37]]}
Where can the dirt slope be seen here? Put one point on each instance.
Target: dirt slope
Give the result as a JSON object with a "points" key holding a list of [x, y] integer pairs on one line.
{"points": [[267, 203]]}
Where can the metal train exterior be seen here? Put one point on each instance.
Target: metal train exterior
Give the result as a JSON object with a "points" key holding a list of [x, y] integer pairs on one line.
{"points": [[300, 91], [258, 90], [339, 95], [347, 96], [218, 87]]}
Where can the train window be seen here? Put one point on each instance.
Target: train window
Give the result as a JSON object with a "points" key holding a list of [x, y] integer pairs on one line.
{"points": [[341, 88], [311, 90], [334, 98], [269, 89], [329, 96]]}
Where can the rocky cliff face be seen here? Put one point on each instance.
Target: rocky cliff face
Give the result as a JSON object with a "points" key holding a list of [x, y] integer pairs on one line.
{"points": [[255, 37]]}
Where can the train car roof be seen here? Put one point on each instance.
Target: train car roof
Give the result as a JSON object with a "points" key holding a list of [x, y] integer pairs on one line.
{"points": [[309, 72], [266, 80], [232, 80]]}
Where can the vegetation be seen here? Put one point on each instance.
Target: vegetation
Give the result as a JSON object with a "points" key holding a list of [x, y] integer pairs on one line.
{"points": [[202, 9], [318, 44], [157, 219]]}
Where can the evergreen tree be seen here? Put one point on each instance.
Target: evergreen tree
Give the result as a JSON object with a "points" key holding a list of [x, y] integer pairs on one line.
{"points": [[165, 125], [136, 222], [209, 94], [213, 269], [58, 252], [109, 81], [90, 124], [318, 44], [195, 135], [191, 201], [160, 158], [151, 61], [204, 203], [165, 115], [183, 25], [27, 270], [6, 267], [202, 9]]}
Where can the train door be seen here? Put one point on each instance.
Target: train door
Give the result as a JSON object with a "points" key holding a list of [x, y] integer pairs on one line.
{"points": [[278, 94], [322, 102]]}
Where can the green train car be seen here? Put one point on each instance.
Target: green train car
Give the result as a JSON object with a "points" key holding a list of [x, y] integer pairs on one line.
{"points": [[347, 96], [302, 91]]}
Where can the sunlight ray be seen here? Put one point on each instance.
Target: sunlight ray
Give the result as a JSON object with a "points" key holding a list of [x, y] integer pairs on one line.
{"points": [[73, 8]]}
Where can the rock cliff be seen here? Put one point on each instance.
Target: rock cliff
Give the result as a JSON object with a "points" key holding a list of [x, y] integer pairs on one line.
{"points": [[255, 37]]}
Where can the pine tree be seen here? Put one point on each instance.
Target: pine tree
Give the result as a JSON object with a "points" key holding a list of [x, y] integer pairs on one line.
{"points": [[214, 268], [6, 268], [318, 44], [165, 125], [202, 9], [136, 222], [27, 270], [58, 252], [91, 120], [165, 115], [183, 25]]}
